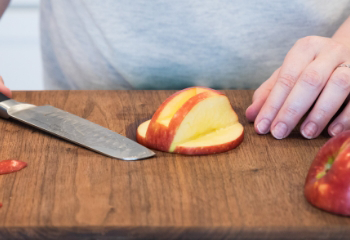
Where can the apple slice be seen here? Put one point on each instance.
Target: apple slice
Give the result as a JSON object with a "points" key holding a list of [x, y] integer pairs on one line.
{"points": [[193, 121], [327, 185], [217, 141], [141, 132]]}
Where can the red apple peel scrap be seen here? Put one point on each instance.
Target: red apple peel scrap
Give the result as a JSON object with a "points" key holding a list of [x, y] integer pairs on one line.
{"points": [[10, 166]]}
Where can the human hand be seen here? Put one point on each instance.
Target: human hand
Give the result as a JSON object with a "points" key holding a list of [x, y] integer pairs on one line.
{"points": [[4, 89], [308, 75]]}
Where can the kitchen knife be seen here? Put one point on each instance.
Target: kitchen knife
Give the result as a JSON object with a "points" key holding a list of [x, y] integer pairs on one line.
{"points": [[73, 128]]}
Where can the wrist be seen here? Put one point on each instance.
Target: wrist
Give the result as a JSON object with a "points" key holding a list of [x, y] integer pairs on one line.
{"points": [[342, 35]]}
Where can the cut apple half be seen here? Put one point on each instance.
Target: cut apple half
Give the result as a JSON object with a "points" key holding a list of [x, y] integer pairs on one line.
{"points": [[193, 121]]}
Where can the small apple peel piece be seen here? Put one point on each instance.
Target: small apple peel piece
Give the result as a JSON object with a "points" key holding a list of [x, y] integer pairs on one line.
{"points": [[10, 166], [203, 123], [327, 184]]}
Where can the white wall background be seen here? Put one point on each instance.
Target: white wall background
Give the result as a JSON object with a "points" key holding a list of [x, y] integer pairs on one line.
{"points": [[20, 57]]}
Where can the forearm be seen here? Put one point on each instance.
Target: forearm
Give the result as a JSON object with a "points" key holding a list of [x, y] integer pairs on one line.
{"points": [[342, 35], [3, 88], [3, 6]]}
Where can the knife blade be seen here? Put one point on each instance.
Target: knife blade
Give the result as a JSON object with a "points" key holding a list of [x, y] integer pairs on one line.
{"points": [[74, 129]]}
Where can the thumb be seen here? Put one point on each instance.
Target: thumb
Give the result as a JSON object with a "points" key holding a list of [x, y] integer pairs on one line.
{"points": [[260, 96]]}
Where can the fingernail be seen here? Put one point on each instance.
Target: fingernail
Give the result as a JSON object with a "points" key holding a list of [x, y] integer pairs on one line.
{"points": [[280, 130], [309, 130], [338, 128], [263, 126]]}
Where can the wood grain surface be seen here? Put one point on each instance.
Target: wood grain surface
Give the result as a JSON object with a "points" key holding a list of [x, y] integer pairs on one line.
{"points": [[254, 191]]}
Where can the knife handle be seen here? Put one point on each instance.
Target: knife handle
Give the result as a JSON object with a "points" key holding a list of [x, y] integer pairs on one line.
{"points": [[3, 106], [8, 106], [3, 97]]}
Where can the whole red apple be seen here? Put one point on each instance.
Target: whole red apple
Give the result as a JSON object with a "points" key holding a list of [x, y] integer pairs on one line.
{"points": [[327, 184]]}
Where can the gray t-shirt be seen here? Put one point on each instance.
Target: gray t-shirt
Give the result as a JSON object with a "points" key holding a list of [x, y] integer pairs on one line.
{"points": [[172, 44]]}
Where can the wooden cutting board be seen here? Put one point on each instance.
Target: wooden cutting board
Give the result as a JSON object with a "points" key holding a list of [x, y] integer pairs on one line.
{"points": [[254, 191]]}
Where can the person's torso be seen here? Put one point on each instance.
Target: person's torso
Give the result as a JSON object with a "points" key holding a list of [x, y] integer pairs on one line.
{"points": [[167, 44]]}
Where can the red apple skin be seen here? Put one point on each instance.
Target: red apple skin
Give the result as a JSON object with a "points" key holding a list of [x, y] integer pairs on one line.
{"points": [[157, 134], [160, 137], [210, 149], [332, 191]]}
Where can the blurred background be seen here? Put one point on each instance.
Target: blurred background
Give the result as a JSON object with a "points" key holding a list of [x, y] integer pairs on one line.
{"points": [[20, 57]]}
